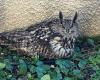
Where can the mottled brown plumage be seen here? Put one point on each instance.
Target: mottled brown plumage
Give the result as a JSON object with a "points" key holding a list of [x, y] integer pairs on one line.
{"points": [[51, 39]]}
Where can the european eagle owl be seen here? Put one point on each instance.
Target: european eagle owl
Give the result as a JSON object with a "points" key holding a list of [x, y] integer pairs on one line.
{"points": [[54, 38]]}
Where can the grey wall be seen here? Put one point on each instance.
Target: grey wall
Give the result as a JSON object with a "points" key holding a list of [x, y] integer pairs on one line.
{"points": [[22, 13]]}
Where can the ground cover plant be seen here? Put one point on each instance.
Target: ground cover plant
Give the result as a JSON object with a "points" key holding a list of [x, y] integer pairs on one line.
{"points": [[83, 64]]}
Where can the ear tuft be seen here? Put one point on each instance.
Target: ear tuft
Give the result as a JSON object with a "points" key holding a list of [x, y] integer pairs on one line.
{"points": [[61, 17], [75, 18]]}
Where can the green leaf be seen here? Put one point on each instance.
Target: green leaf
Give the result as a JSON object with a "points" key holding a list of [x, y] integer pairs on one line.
{"points": [[22, 67], [41, 69], [82, 64], [64, 65], [95, 59], [77, 73], [56, 74], [77, 49], [9, 76], [29, 76], [5, 50], [2, 78], [8, 64], [32, 69], [3, 73], [91, 42], [59, 75], [67, 78], [34, 59], [0, 49], [2, 65], [39, 63], [46, 77], [13, 78]]}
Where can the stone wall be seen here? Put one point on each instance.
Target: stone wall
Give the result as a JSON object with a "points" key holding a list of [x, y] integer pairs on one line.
{"points": [[23, 13]]}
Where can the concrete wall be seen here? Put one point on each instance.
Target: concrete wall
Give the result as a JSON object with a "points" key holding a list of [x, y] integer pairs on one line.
{"points": [[22, 13]]}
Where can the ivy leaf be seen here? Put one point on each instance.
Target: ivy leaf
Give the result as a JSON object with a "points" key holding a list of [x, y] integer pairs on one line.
{"points": [[46, 77], [2, 78], [77, 73], [39, 63], [95, 60], [91, 41], [2, 74], [0, 49], [9, 76], [40, 69], [2, 65], [64, 65], [59, 75], [29, 76], [67, 78], [13, 78], [32, 68], [56, 75], [34, 59], [82, 64], [8, 64], [77, 49], [22, 67]]}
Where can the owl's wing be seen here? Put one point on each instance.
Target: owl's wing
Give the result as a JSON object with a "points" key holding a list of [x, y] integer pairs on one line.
{"points": [[49, 43], [15, 39], [41, 38]]}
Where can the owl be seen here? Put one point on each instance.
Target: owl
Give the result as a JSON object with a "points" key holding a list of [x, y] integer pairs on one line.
{"points": [[51, 39]]}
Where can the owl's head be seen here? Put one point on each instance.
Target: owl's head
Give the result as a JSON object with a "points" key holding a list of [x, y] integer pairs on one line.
{"points": [[69, 25], [63, 44], [66, 27]]}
